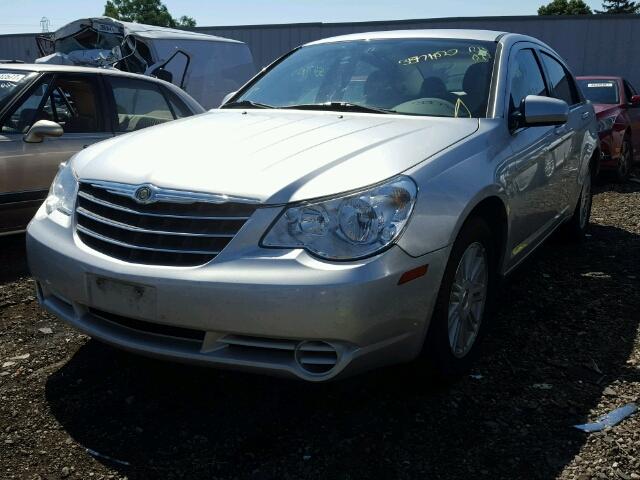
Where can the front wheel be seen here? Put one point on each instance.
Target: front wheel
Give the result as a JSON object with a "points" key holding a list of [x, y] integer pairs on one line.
{"points": [[460, 315]]}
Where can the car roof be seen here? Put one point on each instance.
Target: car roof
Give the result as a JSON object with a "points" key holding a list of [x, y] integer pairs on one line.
{"points": [[139, 29], [46, 67], [479, 35]]}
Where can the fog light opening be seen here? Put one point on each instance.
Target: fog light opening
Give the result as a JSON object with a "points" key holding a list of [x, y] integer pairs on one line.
{"points": [[316, 357]]}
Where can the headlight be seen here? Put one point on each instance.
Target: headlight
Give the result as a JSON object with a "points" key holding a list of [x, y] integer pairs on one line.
{"points": [[63, 190], [347, 227], [606, 124]]}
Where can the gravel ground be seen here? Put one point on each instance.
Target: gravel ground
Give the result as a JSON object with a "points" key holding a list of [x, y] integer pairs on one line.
{"points": [[564, 350]]}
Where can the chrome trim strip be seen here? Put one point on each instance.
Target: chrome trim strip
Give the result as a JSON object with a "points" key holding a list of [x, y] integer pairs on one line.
{"points": [[319, 361], [166, 194], [123, 226], [105, 203], [93, 234], [285, 345]]}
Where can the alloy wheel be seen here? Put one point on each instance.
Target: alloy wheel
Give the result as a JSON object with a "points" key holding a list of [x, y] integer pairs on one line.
{"points": [[467, 299]]}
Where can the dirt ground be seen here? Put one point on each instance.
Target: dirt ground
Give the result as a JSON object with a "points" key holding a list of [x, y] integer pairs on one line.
{"points": [[564, 350]]}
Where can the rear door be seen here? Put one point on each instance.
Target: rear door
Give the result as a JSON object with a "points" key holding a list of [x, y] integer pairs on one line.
{"points": [[634, 118], [74, 101], [567, 147]]}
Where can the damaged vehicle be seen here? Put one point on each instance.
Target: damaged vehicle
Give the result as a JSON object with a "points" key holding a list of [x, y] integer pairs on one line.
{"points": [[49, 112], [352, 206], [205, 66]]}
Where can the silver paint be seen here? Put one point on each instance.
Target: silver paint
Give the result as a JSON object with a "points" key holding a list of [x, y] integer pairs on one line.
{"points": [[276, 157]]}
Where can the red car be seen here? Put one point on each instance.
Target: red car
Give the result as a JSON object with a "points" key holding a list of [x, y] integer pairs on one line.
{"points": [[617, 107]]}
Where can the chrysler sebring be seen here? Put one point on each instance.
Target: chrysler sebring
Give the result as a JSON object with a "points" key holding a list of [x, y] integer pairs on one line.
{"points": [[353, 205]]}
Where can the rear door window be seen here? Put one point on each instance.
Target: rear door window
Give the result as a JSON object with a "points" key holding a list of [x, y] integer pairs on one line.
{"points": [[138, 104], [180, 110], [562, 84]]}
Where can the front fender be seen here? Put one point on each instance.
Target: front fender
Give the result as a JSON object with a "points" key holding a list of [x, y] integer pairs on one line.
{"points": [[449, 190]]}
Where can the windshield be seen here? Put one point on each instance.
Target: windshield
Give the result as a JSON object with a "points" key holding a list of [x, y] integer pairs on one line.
{"points": [[434, 77], [11, 81], [600, 91]]}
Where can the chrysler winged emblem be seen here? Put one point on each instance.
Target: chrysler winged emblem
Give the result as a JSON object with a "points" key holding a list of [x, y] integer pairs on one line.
{"points": [[143, 194]]}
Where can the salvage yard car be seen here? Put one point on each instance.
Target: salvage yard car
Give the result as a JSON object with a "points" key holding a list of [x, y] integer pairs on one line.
{"points": [[352, 206], [205, 66], [48, 113], [617, 106]]}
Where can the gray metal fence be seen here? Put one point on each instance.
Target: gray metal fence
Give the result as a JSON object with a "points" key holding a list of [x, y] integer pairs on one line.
{"points": [[591, 44]]}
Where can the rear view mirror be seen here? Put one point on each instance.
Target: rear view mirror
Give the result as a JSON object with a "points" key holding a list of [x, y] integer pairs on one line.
{"points": [[538, 111], [163, 74], [41, 129], [635, 100]]}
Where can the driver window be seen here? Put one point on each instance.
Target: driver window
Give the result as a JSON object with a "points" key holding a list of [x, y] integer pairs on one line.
{"points": [[525, 78], [28, 112], [75, 105]]}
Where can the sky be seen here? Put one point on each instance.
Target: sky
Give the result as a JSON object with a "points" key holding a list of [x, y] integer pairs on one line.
{"points": [[23, 16]]}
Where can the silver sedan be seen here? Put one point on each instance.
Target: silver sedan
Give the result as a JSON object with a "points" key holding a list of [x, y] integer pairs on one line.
{"points": [[353, 205]]}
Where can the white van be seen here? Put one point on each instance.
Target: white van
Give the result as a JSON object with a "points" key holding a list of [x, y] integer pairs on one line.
{"points": [[205, 66]]}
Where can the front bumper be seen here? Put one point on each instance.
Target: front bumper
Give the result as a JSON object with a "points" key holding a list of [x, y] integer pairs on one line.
{"points": [[250, 308]]}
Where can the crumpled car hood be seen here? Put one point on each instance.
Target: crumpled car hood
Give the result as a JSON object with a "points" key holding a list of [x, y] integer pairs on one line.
{"points": [[272, 156]]}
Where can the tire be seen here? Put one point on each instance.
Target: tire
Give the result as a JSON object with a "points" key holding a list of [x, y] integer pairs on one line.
{"points": [[625, 162], [576, 228], [448, 356]]}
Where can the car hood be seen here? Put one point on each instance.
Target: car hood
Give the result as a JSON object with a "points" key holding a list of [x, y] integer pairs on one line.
{"points": [[272, 156]]}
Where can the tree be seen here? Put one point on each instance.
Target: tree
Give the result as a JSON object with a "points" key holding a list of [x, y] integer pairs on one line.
{"points": [[151, 12], [619, 6], [565, 7]]}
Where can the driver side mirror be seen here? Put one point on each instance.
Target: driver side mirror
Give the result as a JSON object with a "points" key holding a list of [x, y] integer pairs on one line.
{"points": [[41, 129], [163, 74], [539, 111], [635, 101]]}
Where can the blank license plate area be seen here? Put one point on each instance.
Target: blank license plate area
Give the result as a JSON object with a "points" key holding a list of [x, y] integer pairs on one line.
{"points": [[122, 298]]}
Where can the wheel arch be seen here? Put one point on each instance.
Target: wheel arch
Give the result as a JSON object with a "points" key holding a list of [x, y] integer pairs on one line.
{"points": [[493, 209]]}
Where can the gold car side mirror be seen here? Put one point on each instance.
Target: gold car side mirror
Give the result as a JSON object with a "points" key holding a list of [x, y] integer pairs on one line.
{"points": [[41, 129]]}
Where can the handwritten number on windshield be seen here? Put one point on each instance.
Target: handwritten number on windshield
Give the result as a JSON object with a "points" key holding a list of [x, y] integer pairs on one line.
{"points": [[429, 56]]}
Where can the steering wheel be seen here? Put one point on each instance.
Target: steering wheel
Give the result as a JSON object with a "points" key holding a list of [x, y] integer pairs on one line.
{"points": [[428, 105]]}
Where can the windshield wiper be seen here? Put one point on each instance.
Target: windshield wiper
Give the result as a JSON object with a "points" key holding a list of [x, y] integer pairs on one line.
{"points": [[246, 104], [340, 107]]}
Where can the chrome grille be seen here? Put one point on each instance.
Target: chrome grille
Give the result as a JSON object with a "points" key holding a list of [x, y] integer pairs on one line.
{"points": [[175, 230]]}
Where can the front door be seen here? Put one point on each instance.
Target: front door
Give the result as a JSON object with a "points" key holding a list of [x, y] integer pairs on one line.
{"points": [[531, 175]]}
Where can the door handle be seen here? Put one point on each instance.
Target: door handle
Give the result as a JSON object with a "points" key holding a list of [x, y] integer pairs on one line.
{"points": [[586, 115]]}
